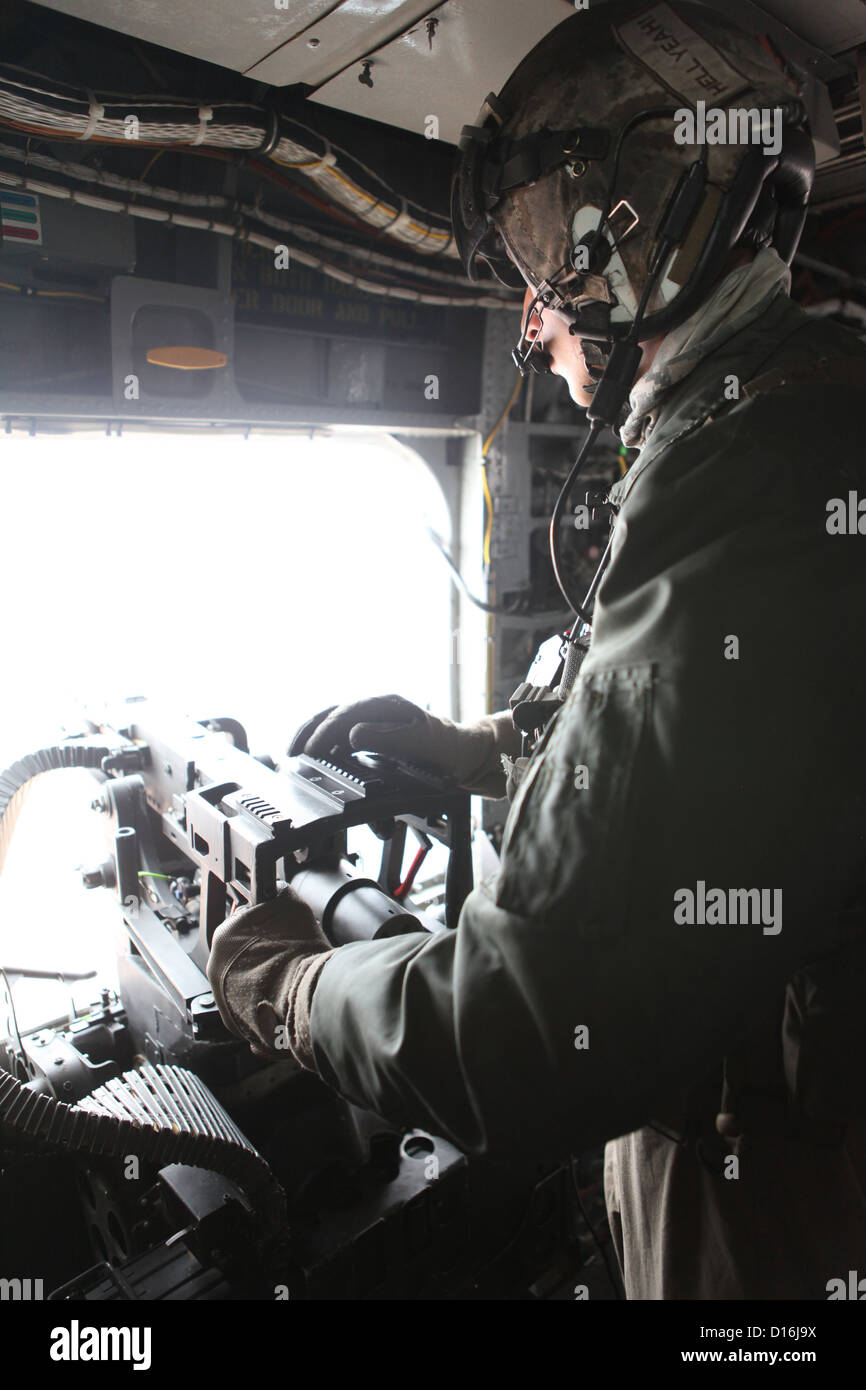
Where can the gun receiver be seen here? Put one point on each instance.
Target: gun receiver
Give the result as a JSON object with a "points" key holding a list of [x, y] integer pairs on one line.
{"points": [[200, 826]]}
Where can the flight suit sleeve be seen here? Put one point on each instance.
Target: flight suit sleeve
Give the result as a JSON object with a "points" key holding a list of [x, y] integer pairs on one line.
{"points": [[579, 991]]}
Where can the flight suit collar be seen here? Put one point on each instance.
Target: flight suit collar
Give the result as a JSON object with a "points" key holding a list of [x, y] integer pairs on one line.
{"points": [[707, 391]]}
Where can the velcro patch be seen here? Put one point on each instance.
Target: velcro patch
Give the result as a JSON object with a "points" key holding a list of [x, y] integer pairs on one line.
{"points": [[679, 57]]}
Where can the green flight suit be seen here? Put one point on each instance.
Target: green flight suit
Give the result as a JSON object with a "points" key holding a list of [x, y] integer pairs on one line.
{"points": [[715, 736]]}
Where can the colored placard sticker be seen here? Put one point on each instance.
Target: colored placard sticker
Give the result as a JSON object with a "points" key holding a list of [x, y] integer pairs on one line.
{"points": [[19, 218]]}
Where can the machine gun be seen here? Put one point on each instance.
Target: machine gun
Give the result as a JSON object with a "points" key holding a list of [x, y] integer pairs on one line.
{"points": [[252, 1176], [199, 826]]}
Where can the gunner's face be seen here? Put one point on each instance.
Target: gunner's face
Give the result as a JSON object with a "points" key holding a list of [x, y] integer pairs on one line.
{"points": [[563, 348]]}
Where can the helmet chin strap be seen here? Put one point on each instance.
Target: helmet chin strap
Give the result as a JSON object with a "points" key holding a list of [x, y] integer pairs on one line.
{"points": [[528, 354], [608, 398]]}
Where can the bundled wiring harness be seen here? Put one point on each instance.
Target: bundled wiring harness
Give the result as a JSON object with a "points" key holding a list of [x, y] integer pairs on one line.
{"points": [[266, 142], [40, 108]]}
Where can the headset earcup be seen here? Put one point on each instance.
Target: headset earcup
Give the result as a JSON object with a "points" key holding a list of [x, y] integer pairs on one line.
{"points": [[792, 184]]}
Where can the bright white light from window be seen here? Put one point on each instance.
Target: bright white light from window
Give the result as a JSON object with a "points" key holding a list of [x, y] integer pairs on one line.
{"points": [[263, 579]]}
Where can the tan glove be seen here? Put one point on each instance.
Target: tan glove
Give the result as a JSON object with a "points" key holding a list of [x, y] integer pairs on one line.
{"points": [[263, 966], [388, 724]]}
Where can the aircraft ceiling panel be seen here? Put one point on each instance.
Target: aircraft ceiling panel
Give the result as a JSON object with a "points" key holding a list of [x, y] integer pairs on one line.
{"points": [[445, 74], [235, 34], [353, 29]]}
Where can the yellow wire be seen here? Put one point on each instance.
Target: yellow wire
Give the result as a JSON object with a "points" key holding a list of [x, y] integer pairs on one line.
{"points": [[56, 294], [304, 164], [149, 165], [486, 445], [71, 294], [509, 403], [335, 173], [373, 202], [488, 513]]}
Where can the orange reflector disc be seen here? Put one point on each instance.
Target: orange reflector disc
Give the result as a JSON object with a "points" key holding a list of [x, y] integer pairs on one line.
{"points": [[186, 359]]}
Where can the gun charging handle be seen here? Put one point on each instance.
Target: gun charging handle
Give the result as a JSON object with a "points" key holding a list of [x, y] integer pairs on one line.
{"points": [[351, 908]]}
